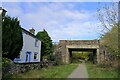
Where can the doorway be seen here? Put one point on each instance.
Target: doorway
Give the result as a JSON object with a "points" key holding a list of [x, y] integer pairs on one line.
{"points": [[28, 56]]}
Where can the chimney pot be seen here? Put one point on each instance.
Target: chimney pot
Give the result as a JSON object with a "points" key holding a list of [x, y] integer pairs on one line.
{"points": [[32, 31]]}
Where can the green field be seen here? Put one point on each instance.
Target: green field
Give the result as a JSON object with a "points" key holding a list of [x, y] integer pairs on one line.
{"points": [[95, 71], [61, 71]]}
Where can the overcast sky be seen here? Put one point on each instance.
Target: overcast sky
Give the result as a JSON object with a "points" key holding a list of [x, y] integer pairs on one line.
{"points": [[62, 20]]}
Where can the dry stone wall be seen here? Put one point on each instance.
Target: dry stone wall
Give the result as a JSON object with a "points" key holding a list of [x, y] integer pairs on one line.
{"points": [[13, 68]]}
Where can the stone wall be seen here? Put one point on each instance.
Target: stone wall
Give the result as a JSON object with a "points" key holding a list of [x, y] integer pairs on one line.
{"points": [[107, 58], [13, 68], [60, 54]]}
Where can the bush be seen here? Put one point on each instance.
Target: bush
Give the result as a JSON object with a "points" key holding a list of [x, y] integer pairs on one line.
{"points": [[6, 66], [51, 57], [6, 61]]}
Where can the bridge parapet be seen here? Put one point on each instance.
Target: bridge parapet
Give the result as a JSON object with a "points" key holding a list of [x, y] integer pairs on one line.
{"points": [[79, 42]]}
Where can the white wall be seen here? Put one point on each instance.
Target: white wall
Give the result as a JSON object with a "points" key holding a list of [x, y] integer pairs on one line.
{"points": [[29, 45]]}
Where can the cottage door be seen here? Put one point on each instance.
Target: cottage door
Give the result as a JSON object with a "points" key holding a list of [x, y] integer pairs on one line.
{"points": [[28, 56]]}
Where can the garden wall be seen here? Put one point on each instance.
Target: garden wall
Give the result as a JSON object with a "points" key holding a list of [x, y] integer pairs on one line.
{"points": [[13, 68]]}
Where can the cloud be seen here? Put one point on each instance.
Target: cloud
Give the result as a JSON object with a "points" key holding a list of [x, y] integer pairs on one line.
{"points": [[60, 0], [61, 20]]}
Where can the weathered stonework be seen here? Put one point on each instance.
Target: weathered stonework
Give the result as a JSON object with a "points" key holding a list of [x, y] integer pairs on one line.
{"points": [[64, 46]]}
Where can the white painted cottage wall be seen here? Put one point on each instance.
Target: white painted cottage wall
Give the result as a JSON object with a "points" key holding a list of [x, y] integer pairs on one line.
{"points": [[29, 45]]}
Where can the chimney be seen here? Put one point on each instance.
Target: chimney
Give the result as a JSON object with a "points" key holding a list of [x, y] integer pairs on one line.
{"points": [[32, 31], [2, 12]]}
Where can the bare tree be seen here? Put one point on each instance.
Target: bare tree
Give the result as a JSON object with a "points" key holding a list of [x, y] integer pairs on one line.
{"points": [[108, 16]]}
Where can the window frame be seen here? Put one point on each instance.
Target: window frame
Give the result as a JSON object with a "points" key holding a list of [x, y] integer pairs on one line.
{"points": [[36, 42], [35, 53]]}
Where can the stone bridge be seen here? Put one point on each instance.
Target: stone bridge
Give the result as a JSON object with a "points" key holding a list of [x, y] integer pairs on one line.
{"points": [[65, 47]]}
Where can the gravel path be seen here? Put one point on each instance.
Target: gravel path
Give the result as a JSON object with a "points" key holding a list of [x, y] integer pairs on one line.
{"points": [[79, 72]]}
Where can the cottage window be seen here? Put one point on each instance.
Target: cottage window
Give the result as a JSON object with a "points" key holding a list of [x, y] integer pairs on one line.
{"points": [[36, 43], [35, 55]]}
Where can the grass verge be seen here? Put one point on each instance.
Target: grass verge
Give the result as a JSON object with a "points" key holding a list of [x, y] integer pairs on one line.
{"points": [[95, 71], [61, 71]]}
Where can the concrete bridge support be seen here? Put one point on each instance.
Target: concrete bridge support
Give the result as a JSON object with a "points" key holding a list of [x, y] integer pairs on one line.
{"points": [[98, 56]]}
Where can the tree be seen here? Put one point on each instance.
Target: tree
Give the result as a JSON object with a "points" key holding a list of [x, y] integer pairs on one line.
{"points": [[108, 17], [110, 40], [12, 40], [47, 47]]}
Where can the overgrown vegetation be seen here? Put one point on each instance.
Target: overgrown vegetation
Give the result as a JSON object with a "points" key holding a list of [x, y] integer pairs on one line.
{"points": [[108, 17], [5, 66], [95, 71], [61, 71], [46, 46], [12, 41]]}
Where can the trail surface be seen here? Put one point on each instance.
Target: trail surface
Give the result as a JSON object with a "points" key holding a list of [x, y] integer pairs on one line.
{"points": [[79, 72]]}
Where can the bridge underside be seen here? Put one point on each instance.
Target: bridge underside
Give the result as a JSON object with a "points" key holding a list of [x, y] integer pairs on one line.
{"points": [[91, 54]]}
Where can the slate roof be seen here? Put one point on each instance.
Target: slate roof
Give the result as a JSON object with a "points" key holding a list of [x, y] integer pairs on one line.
{"points": [[29, 33]]}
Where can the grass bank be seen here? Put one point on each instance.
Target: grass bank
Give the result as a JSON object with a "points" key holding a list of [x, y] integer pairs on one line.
{"points": [[95, 71], [61, 71]]}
